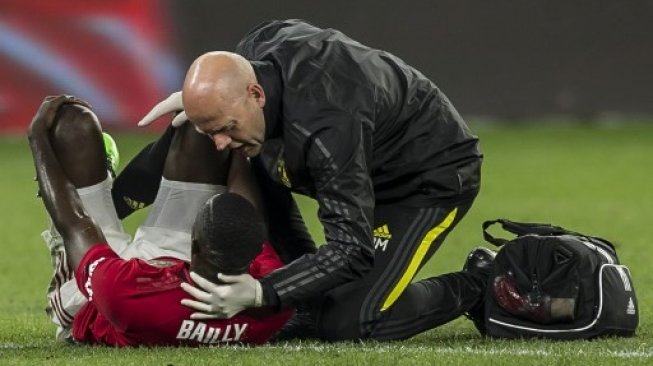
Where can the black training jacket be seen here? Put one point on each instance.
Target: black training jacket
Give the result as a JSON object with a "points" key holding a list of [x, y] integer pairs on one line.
{"points": [[352, 127]]}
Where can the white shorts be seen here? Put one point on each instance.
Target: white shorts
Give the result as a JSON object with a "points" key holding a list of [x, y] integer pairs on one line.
{"points": [[165, 233]]}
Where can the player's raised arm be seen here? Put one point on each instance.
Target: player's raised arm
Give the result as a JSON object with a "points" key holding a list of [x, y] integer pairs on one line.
{"points": [[59, 116]]}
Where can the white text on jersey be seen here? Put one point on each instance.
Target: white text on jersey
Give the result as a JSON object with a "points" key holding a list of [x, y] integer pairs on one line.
{"points": [[200, 332]]}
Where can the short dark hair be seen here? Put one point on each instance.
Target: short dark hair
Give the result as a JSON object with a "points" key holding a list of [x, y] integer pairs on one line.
{"points": [[228, 233]]}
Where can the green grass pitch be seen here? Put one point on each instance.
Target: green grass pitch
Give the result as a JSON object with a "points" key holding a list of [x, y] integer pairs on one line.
{"points": [[587, 178]]}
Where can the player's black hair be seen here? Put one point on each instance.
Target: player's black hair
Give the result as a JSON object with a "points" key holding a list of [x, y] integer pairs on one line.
{"points": [[228, 233]]}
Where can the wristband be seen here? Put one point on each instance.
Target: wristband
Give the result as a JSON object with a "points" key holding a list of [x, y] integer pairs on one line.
{"points": [[258, 295]]}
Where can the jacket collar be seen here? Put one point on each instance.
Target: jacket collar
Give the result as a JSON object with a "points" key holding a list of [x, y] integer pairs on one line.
{"points": [[268, 76]]}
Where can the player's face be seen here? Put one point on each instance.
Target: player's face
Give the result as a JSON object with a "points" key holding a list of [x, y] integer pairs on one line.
{"points": [[239, 125]]}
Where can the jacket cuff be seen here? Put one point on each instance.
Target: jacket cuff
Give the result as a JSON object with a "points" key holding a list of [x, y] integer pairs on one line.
{"points": [[270, 297]]}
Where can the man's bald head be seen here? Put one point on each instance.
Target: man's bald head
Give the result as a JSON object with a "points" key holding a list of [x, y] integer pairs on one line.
{"points": [[215, 80], [222, 98]]}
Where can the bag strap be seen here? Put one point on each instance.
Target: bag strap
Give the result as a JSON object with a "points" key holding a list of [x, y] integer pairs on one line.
{"points": [[525, 228], [522, 228]]}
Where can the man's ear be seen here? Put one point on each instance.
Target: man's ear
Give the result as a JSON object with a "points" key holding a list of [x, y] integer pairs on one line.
{"points": [[256, 91]]}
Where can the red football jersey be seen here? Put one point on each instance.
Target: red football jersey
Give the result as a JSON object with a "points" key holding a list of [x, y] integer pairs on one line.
{"points": [[137, 302]]}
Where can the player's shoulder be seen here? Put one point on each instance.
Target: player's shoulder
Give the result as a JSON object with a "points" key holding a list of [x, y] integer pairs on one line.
{"points": [[166, 269], [154, 276], [165, 262], [96, 254]]}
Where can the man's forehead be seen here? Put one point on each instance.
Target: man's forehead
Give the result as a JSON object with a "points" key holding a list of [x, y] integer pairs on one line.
{"points": [[205, 126], [210, 106]]}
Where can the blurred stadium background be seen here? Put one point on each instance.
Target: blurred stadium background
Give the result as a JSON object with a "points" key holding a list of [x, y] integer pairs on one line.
{"points": [[528, 65], [587, 60]]}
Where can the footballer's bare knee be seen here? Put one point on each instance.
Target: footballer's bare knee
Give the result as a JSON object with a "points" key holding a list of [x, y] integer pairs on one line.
{"points": [[77, 140], [74, 123]]}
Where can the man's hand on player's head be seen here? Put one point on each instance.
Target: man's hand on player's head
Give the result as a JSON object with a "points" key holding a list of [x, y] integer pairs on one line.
{"points": [[222, 301], [171, 104], [44, 117]]}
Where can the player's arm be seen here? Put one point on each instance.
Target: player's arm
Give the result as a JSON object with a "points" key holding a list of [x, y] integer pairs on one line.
{"points": [[346, 204], [59, 195]]}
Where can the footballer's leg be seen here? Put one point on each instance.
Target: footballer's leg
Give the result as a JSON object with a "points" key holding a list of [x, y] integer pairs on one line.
{"points": [[193, 172], [192, 157], [73, 140], [77, 142], [76, 138]]}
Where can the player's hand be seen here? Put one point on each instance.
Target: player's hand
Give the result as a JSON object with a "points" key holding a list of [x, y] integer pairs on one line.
{"points": [[172, 104], [222, 301], [44, 117]]}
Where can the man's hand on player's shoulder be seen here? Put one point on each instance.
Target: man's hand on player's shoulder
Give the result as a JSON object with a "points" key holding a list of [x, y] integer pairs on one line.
{"points": [[222, 301]]}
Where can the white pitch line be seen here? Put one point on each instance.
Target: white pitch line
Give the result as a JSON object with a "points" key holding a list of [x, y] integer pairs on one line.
{"points": [[463, 350], [408, 349]]}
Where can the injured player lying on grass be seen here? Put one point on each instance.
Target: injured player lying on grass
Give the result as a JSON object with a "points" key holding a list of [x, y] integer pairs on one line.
{"points": [[135, 298]]}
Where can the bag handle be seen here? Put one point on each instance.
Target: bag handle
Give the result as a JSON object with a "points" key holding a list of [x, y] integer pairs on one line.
{"points": [[520, 229], [524, 228]]}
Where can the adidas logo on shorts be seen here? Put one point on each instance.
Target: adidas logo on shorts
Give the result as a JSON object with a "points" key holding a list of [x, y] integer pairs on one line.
{"points": [[135, 205]]}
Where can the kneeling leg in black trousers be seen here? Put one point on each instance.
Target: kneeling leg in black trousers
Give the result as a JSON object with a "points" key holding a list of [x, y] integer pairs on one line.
{"points": [[384, 304]]}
